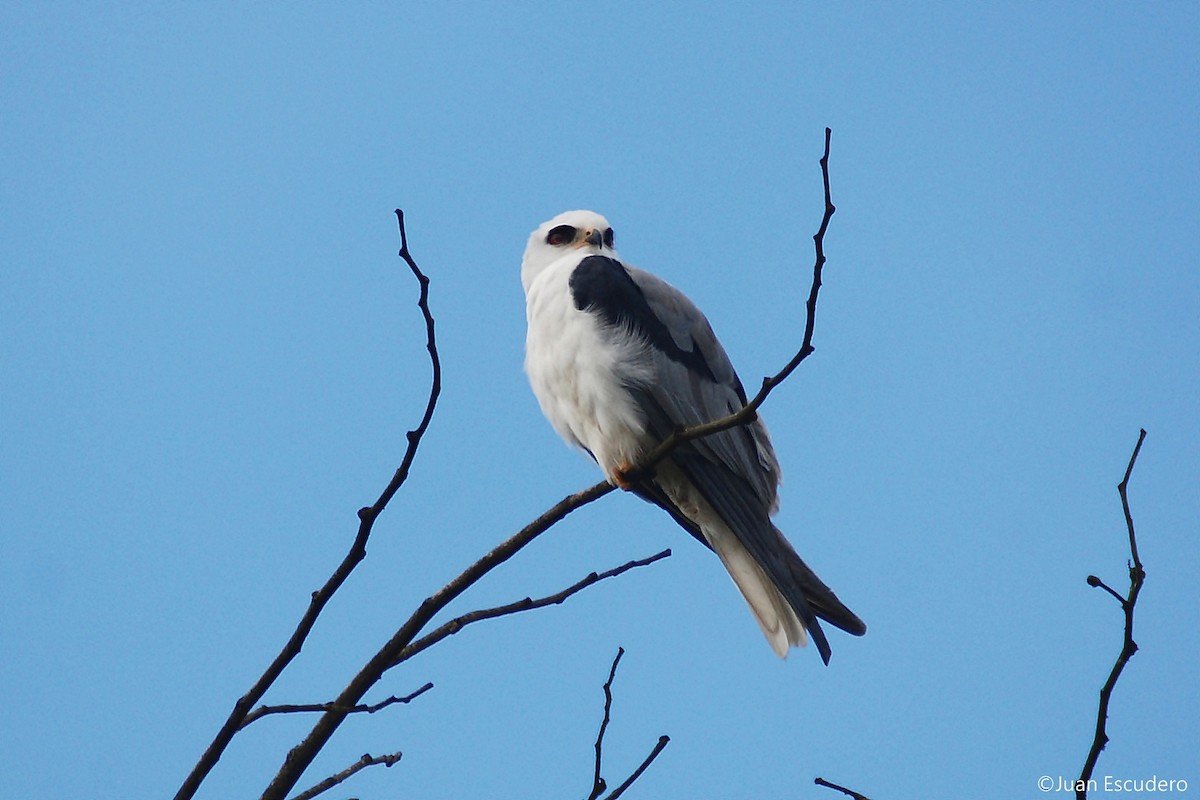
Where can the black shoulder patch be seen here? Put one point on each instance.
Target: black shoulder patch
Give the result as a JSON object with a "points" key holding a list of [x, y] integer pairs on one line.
{"points": [[601, 285]]}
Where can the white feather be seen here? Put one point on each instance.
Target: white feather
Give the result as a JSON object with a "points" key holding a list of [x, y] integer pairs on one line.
{"points": [[576, 374]]}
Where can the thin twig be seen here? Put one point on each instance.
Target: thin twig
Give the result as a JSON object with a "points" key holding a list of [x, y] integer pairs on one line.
{"points": [[749, 412], [1137, 576], [663, 741], [263, 711], [1096, 583], [370, 513], [527, 604], [357, 552], [367, 760], [598, 784], [848, 792]]}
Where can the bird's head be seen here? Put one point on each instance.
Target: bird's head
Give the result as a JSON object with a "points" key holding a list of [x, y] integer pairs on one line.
{"points": [[580, 233]]}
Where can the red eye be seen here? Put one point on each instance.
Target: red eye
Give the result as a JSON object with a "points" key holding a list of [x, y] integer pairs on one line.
{"points": [[563, 234]]}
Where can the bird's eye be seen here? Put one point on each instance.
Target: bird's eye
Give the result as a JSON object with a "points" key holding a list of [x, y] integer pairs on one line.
{"points": [[608, 237], [563, 234]]}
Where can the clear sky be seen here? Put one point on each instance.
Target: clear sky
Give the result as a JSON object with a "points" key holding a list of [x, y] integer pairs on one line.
{"points": [[209, 355]]}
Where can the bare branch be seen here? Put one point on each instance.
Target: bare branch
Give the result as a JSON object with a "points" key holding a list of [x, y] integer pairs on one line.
{"points": [[368, 514], [302, 754], [367, 760], [848, 792], [663, 741], [527, 604], [357, 552], [263, 711], [1137, 576], [1122, 490], [598, 784]]}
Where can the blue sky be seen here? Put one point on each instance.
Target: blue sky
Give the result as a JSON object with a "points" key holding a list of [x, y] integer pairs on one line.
{"points": [[210, 354]]}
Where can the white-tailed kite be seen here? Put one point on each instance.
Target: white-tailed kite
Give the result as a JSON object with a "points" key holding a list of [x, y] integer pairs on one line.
{"points": [[619, 359]]}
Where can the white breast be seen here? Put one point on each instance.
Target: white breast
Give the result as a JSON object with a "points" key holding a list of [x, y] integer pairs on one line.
{"points": [[578, 371]]}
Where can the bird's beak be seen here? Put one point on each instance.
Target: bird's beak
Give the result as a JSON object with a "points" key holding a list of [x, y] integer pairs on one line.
{"points": [[593, 237]]}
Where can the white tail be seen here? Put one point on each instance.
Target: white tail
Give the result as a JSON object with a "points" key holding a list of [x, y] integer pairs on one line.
{"points": [[773, 613]]}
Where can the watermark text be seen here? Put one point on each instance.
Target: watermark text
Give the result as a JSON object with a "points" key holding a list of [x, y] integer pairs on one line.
{"points": [[1114, 784]]}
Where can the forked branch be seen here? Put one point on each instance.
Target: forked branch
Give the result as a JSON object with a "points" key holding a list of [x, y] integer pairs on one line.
{"points": [[358, 551], [598, 782], [303, 754], [1137, 576]]}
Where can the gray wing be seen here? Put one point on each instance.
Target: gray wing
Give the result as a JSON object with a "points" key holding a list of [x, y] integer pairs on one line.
{"points": [[692, 381], [736, 470], [704, 388]]}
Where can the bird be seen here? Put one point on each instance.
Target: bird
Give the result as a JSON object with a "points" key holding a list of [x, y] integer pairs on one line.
{"points": [[619, 359]]}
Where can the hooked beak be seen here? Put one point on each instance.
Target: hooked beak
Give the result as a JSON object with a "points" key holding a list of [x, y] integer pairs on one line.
{"points": [[593, 237]]}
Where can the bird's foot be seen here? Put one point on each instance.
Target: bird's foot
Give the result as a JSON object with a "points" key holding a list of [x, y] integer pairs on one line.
{"points": [[620, 477]]}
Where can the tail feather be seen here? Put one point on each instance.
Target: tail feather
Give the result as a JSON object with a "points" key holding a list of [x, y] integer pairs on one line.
{"points": [[729, 505], [784, 594], [824, 603], [774, 615]]}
